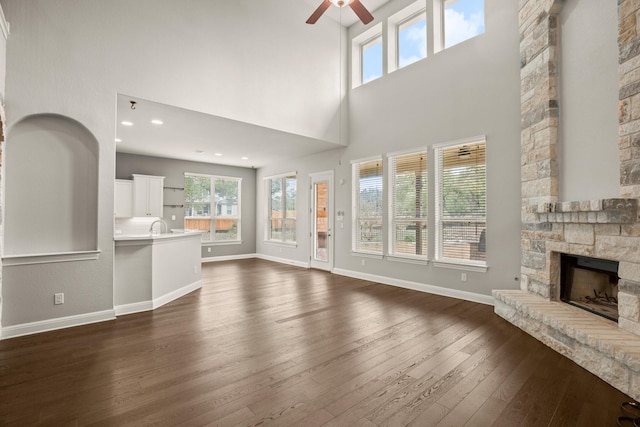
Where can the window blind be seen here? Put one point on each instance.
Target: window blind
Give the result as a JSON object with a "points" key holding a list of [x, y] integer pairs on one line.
{"points": [[462, 202], [367, 179], [408, 207]]}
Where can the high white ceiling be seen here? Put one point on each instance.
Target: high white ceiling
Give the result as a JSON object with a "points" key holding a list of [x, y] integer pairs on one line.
{"points": [[196, 136]]}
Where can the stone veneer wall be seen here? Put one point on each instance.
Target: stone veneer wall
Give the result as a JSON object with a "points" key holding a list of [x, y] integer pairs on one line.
{"points": [[608, 229]]}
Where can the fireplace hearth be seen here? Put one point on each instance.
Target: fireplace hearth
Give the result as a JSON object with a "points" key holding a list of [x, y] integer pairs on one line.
{"points": [[590, 284]]}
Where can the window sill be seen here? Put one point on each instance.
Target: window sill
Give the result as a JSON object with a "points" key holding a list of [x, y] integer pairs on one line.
{"points": [[458, 265], [407, 260], [222, 243], [278, 243]]}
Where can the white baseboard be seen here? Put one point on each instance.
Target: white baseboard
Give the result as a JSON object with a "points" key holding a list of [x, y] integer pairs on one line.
{"points": [[57, 323], [283, 260], [136, 307], [139, 307], [173, 295], [228, 258], [437, 290]]}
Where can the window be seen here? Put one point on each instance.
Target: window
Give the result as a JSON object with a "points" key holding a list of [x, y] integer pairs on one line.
{"points": [[218, 217], [463, 19], [367, 206], [412, 39], [281, 221], [371, 59], [461, 198], [366, 57], [408, 205]]}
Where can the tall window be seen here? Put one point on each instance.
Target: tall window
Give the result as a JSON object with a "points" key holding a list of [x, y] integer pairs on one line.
{"points": [[281, 221], [371, 59], [212, 205], [412, 39], [463, 19], [461, 198], [367, 206], [408, 205]]}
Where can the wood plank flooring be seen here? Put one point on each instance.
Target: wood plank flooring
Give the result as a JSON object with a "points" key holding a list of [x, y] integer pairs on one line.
{"points": [[264, 343]]}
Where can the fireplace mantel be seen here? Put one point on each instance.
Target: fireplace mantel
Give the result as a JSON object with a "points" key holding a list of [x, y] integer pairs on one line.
{"points": [[601, 211]]}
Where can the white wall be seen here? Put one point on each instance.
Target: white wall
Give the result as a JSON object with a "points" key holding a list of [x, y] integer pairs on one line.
{"points": [[255, 61], [467, 90], [589, 163]]}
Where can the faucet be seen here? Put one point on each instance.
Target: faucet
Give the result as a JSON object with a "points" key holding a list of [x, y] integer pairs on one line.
{"points": [[166, 227]]}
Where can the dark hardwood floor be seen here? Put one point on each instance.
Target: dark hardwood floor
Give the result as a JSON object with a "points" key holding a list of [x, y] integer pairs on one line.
{"points": [[265, 343]]}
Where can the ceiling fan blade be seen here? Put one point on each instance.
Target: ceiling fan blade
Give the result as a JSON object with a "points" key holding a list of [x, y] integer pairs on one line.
{"points": [[319, 11], [362, 12]]}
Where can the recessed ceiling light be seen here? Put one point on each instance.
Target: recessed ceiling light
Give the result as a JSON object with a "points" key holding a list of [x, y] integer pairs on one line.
{"points": [[199, 151], [118, 140], [126, 123], [157, 122], [245, 158], [218, 154]]}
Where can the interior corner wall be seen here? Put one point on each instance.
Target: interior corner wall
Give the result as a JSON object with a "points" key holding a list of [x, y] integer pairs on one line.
{"points": [[588, 101], [173, 171]]}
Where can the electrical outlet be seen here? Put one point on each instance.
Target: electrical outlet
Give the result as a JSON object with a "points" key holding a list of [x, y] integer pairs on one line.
{"points": [[173, 217], [463, 277], [363, 262], [280, 250], [195, 269], [208, 249], [58, 299]]}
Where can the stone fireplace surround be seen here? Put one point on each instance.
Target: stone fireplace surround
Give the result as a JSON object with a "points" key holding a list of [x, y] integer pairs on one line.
{"points": [[607, 229]]}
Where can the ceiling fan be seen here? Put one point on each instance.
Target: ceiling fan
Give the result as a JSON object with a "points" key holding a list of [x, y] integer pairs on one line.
{"points": [[355, 5]]}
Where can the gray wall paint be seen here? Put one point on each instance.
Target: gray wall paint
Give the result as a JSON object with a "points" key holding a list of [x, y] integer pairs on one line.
{"points": [[589, 164], [173, 171], [51, 194], [467, 90]]}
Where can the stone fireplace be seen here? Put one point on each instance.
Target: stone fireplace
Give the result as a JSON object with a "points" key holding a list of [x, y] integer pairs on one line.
{"points": [[606, 229]]}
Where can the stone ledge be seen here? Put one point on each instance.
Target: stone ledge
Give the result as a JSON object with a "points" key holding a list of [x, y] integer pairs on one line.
{"points": [[601, 211], [594, 343]]}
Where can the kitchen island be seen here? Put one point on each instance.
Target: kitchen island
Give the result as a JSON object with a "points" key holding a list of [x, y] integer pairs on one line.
{"points": [[154, 269]]}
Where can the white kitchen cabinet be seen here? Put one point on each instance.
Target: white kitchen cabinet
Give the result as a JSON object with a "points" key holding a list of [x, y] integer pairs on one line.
{"points": [[147, 195], [124, 198]]}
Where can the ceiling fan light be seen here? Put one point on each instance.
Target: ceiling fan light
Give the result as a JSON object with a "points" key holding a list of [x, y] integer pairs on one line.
{"points": [[341, 3]]}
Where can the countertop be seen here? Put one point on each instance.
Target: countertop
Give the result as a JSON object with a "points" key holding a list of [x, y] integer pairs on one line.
{"points": [[156, 236]]}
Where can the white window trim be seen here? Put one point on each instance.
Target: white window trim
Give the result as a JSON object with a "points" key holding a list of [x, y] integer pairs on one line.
{"points": [[420, 259], [267, 180], [356, 53], [355, 207], [395, 21], [212, 217], [439, 260]]}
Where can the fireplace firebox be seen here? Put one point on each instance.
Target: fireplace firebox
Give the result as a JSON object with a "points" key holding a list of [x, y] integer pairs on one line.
{"points": [[590, 284]]}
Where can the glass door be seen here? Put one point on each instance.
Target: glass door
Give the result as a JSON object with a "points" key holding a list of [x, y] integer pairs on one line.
{"points": [[322, 221]]}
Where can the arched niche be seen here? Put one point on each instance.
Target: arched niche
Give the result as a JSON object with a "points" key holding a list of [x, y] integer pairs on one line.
{"points": [[51, 187]]}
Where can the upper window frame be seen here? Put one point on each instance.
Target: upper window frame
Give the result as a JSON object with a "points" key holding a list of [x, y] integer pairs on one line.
{"points": [[414, 12]]}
